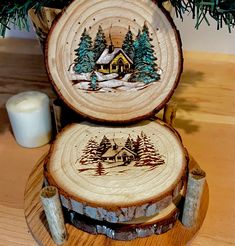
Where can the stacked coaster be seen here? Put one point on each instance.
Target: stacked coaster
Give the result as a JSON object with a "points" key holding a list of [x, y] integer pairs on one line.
{"points": [[117, 62]]}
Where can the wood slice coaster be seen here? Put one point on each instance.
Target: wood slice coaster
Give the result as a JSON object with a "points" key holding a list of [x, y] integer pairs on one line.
{"points": [[114, 61], [117, 174], [35, 218]]}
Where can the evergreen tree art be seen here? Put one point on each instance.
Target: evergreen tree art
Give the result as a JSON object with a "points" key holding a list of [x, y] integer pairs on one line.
{"points": [[84, 62], [93, 83], [105, 144], [147, 154], [137, 54], [144, 59], [100, 43], [129, 144], [100, 170], [127, 45], [90, 153]]}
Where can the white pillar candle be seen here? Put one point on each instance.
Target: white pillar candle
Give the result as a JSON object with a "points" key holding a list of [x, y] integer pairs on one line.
{"points": [[30, 118]]}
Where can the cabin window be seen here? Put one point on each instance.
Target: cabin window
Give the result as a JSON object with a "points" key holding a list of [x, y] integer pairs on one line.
{"points": [[119, 157], [106, 66], [114, 66], [126, 66]]}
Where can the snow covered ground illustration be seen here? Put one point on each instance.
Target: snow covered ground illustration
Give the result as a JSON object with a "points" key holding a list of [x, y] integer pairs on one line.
{"points": [[100, 66], [116, 169], [107, 83]]}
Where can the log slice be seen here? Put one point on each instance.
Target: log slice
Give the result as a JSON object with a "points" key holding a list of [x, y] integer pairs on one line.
{"points": [[116, 173], [36, 221], [118, 98]]}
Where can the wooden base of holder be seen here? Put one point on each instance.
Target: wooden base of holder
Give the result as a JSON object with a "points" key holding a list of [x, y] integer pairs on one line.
{"points": [[37, 223]]}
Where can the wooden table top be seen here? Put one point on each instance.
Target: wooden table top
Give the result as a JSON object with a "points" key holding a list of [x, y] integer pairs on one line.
{"points": [[205, 120]]}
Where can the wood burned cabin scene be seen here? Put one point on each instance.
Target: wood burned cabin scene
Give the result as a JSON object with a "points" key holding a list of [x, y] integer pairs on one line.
{"points": [[114, 60], [102, 67], [116, 155]]}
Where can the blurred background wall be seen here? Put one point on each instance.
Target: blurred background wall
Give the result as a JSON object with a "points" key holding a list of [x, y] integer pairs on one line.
{"points": [[207, 38]]}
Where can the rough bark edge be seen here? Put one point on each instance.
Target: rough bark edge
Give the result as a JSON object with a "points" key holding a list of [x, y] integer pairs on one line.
{"points": [[119, 212], [137, 118], [177, 236], [123, 232]]}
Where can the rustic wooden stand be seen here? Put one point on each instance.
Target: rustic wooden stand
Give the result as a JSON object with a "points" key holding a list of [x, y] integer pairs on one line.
{"points": [[95, 167], [37, 223]]}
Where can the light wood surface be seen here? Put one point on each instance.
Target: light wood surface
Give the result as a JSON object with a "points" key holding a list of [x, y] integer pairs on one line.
{"points": [[112, 101], [178, 235], [120, 180], [205, 119]]}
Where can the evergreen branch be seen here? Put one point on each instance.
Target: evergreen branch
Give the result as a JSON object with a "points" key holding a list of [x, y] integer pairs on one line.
{"points": [[15, 12], [222, 11]]}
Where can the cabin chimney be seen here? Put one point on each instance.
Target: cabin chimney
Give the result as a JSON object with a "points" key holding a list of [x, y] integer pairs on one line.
{"points": [[111, 47], [115, 146]]}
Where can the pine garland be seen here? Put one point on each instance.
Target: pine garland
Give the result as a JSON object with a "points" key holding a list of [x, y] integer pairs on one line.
{"points": [[15, 12], [222, 11]]}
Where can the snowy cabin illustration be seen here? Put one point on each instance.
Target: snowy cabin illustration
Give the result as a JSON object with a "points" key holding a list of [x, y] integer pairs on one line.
{"points": [[114, 60], [118, 154]]}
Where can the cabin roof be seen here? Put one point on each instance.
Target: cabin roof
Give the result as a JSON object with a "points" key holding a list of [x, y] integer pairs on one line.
{"points": [[111, 152], [106, 57]]}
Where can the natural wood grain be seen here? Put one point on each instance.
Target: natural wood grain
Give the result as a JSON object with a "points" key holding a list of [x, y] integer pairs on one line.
{"points": [[205, 120], [179, 235], [115, 17], [119, 189]]}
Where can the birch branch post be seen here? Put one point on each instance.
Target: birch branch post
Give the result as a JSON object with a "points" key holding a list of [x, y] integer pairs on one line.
{"points": [[196, 182], [169, 113], [53, 210]]}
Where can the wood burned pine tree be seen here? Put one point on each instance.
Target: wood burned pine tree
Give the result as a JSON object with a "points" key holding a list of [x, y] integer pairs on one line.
{"points": [[105, 144], [100, 43], [84, 62], [100, 170], [136, 144], [147, 154], [127, 45], [90, 153], [144, 59], [129, 144], [137, 56], [93, 84]]}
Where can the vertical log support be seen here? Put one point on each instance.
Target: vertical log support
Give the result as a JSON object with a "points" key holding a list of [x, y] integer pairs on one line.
{"points": [[196, 182], [42, 21], [57, 110], [53, 210], [169, 113]]}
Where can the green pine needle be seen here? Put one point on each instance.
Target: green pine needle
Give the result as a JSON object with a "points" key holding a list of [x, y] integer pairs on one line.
{"points": [[15, 12]]}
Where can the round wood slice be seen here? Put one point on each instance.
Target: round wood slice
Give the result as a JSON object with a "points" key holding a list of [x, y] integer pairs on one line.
{"points": [[35, 218], [117, 174], [123, 88]]}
